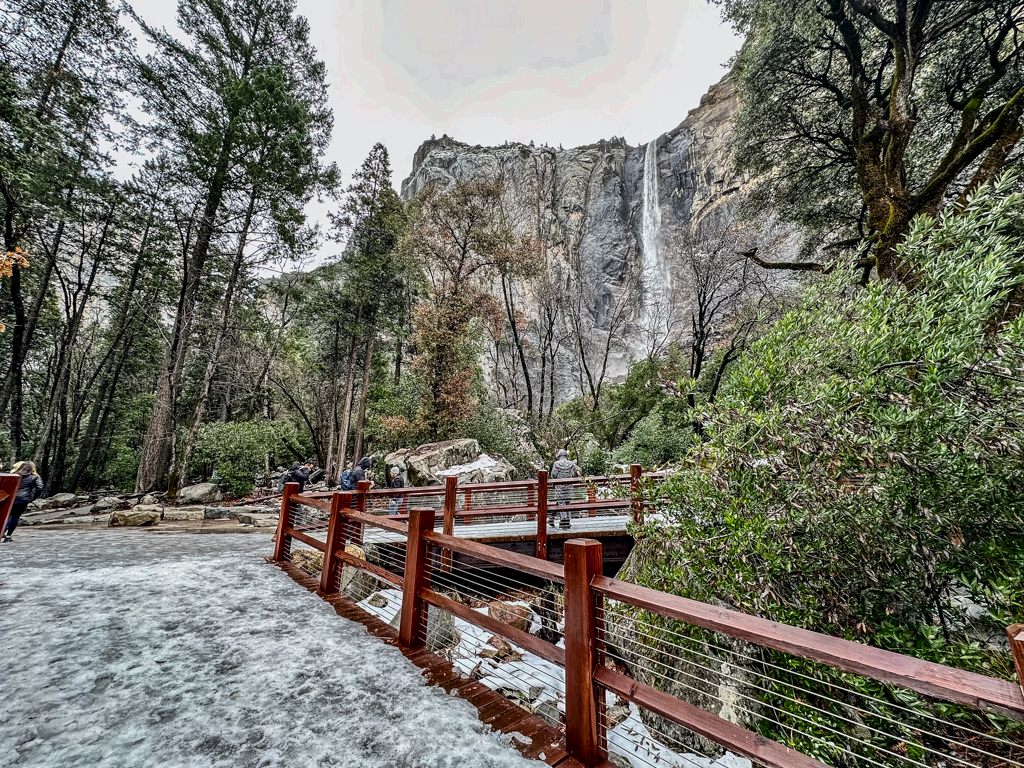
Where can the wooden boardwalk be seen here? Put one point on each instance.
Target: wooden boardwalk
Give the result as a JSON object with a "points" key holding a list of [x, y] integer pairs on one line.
{"points": [[532, 736]]}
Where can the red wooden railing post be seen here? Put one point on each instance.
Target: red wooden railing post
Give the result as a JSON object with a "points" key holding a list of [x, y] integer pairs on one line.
{"points": [[411, 630], [635, 495], [592, 498], [9, 483], [1015, 632], [335, 541], [283, 540], [451, 489], [584, 738], [356, 532], [542, 514]]}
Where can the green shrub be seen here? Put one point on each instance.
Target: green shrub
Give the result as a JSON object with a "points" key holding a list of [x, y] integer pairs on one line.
{"points": [[237, 451], [862, 468]]}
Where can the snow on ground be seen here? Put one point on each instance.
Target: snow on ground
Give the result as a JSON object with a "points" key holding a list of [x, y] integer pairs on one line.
{"points": [[145, 649]]}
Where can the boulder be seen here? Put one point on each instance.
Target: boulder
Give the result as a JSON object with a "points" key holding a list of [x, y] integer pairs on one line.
{"points": [[178, 514], [140, 514], [243, 513], [483, 469], [200, 493], [422, 464], [348, 572], [149, 500], [308, 560], [57, 501], [518, 616], [108, 504]]}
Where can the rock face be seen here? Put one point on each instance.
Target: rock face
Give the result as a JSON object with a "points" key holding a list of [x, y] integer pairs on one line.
{"points": [[179, 514], [585, 204], [430, 464], [201, 493], [141, 514]]}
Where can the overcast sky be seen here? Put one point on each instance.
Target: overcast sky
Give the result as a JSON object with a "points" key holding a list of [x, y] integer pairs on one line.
{"points": [[565, 72]]}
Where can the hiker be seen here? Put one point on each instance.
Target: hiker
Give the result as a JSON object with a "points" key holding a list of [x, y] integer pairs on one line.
{"points": [[300, 475], [30, 488], [563, 468], [395, 481], [351, 478], [283, 479]]}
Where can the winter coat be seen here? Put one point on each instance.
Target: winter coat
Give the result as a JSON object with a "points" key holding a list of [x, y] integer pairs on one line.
{"points": [[300, 476], [30, 488], [563, 468]]}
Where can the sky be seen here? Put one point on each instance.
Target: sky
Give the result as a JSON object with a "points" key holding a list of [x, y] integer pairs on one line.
{"points": [[557, 72]]}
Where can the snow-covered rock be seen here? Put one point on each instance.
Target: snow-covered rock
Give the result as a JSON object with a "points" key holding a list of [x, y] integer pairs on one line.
{"points": [[483, 469], [183, 513], [200, 493], [141, 514]]}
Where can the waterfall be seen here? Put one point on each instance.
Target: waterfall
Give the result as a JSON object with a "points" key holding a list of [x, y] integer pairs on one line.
{"points": [[656, 279]]}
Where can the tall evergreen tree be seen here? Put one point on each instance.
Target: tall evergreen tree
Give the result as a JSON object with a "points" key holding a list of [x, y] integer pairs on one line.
{"points": [[244, 75]]}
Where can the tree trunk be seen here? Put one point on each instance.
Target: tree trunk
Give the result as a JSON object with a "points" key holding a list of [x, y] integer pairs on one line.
{"points": [[213, 361], [158, 445], [346, 413], [364, 395]]}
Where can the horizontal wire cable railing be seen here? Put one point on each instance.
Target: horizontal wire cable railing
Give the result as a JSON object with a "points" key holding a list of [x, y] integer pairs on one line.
{"points": [[674, 682]]}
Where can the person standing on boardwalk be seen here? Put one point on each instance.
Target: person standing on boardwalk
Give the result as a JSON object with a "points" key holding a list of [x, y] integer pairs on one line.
{"points": [[395, 481], [30, 488], [563, 468]]}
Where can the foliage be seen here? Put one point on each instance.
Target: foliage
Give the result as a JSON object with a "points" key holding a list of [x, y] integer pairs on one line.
{"points": [[861, 469], [859, 115], [237, 451], [862, 462]]}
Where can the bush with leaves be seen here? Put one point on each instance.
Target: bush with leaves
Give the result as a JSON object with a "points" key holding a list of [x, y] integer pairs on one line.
{"points": [[237, 451], [861, 472]]}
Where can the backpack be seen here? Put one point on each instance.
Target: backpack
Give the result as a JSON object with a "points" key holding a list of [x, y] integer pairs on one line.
{"points": [[346, 481]]}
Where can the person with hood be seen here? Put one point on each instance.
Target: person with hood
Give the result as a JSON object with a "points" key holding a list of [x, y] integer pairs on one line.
{"points": [[563, 468], [351, 478], [30, 488]]}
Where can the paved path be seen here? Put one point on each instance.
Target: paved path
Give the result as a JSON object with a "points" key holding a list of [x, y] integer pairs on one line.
{"points": [[132, 649]]}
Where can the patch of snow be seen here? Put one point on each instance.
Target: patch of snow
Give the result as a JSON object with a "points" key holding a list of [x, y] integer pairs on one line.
{"points": [[482, 462], [130, 649], [631, 740]]}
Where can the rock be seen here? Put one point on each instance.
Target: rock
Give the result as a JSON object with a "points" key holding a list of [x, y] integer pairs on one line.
{"points": [[140, 514], [308, 560], [200, 493], [423, 463], [518, 616], [178, 514], [86, 519], [108, 504], [217, 513], [257, 520], [149, 500], [441, 632], [484, 469], [57, 501], [348, 572], [247, 512]]}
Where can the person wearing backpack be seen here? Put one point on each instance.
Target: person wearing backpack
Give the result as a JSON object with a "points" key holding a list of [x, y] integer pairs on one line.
{"points": [[563, 468], [30, 488], [351, 478]]}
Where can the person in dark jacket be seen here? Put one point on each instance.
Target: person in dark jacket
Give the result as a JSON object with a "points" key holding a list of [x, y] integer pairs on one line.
{"points": [[300, 475], [359, 471], [563, 468], [30, 488], [395, 481]]}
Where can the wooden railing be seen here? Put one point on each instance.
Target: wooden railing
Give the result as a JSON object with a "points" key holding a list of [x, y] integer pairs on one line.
{"points": [[535, 499], [586, 592], [8, 491]]}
